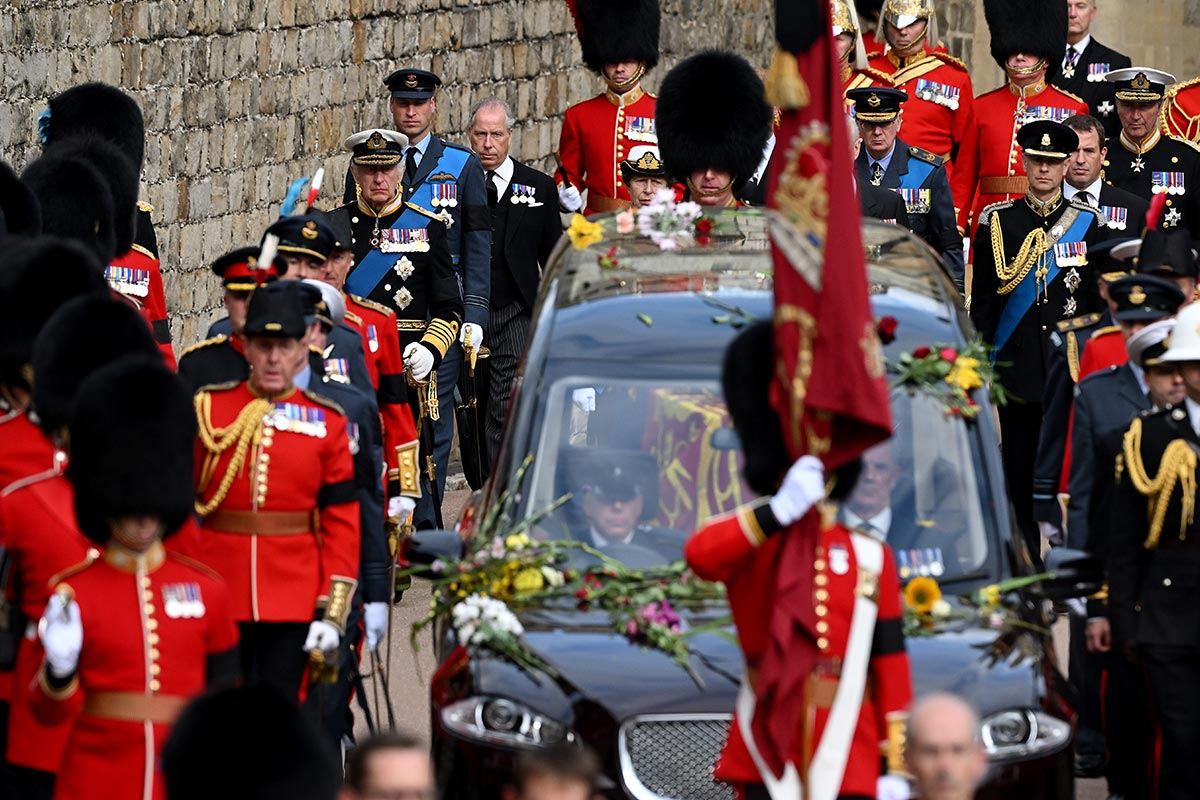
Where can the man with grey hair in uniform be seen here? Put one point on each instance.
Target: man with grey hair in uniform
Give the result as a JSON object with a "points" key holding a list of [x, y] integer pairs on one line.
{"points": [[523, 205]]}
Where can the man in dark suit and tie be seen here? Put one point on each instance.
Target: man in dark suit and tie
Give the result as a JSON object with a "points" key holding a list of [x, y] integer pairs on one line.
{"points": [[1085, 63], [525, 225], [1122, 213]]}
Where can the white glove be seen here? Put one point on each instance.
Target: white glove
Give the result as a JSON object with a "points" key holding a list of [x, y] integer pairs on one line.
{"points": [[375, 619], [1051, 533], [569, 199], [400, 507], [585, 399], [322, 636], [803, 486], [418, 358], [61, 632], [476, 334], [892, 787]]}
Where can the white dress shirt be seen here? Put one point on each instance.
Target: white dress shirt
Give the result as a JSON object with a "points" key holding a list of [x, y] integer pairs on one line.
{"points": [[1071, 193], [503, 176], [879, 524]]}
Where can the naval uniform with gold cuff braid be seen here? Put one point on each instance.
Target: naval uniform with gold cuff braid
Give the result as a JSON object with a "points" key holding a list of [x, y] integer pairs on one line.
{"points": [[279, 519], [1161, 165]]}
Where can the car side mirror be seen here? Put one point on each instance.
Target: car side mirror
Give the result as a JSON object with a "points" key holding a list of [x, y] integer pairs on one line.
{"points": [[425, 547], [1073, 573], [725, 439]]}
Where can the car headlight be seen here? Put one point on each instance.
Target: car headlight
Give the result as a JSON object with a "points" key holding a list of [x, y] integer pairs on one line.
{"points": [[498, 720], [1021, 733]]}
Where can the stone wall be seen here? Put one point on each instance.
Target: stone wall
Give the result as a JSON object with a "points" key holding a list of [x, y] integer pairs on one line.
{"points": [[243, 96]]}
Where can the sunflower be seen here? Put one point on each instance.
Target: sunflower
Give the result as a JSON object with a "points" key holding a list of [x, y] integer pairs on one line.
{"points": [[921, 593]]}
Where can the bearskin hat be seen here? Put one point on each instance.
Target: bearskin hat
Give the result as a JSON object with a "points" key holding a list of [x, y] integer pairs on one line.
{"points": [[18, 207], [1037, 27], [37, 276], [691, 137], [68, 350], [617, 30], [132, 439], [118, 171], [76, 202], [101, 110]]}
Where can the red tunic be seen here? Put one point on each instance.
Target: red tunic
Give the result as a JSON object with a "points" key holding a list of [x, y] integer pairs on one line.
{"points": [[731, 549], [1181, 110], [149, 626], [26, 450], [276, 562], [597, 136], [991, 157], [940, 111], [381, 345], [138, 274]]}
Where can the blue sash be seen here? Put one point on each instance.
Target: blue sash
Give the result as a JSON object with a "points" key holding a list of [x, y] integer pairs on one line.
{"points": [[1024, 296], [918, 171], [369, 272], [450, 162]]}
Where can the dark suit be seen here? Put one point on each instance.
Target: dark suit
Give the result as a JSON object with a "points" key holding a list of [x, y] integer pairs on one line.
{"points": [[932, 214], [523, 236], [1123, 213], [1152, 599], [1098, 94], [882, 204], [344, 341]]}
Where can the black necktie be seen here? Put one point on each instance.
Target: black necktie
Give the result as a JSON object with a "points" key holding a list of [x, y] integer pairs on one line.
{"points": [[876, 174], [410, 166], [492, 192]]}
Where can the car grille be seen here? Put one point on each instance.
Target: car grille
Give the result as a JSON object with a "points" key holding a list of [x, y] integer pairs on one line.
{"points": [[671, 756]]}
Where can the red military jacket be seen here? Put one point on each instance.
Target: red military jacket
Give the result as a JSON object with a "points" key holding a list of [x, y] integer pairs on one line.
{"points": [[1181, 110], [989, 167], [381, 344], [27, 450], [138, 274], [150, 625], [734, 550], [940, 111], [597, 136], [275, 489]]}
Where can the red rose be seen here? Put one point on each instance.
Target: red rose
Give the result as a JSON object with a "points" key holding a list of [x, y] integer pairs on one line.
{"points": [[704, 225], [949, 354], [703, 239], [886, 328], [582, 594], [921, 352]]}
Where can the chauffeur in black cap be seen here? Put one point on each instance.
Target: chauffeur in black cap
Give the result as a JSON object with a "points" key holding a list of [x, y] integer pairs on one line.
{"points": [[917, 175], [1031, 271], [1144, 160]]}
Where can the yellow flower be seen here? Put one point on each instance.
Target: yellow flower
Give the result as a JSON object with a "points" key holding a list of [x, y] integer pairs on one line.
{"points": [[965, 374], [921, 593], [583, 232], [990, 595], [517, 541], [528, 580]]}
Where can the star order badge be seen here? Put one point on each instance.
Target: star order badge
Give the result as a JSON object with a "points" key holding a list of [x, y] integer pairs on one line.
{"points": [[1072, 280], [404, 268], [1172, 217], [1105, 108], [1138, 165], [403, 297], [1069, 307]]}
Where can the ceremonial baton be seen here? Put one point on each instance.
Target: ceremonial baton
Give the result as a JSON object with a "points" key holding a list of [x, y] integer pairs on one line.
{"points": [[560, 171]]}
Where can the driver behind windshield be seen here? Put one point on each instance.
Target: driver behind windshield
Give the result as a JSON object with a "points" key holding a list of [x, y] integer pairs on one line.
{"points": [[614, 503]]}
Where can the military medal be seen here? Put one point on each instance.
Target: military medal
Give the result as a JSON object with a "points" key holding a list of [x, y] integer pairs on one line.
{"points": [[938, 93], [372, 339], [1105, 108], [1172, 217], [1072, 280], [905, 570], [1070, 254], [1168, 182], [839, 559], [934, 557], [1096, 72], [300, 419], [917, 201], [445, 217], [404, 240], [337, 370], [128, 281], [403, 268], [443, 195], [352, 434], [403, 297], [1069, 71], [1137, 165], [1070, 307], [182, 601], [1115, 217]]}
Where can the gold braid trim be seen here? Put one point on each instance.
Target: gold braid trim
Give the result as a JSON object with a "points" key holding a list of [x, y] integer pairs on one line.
{"points": [[245, 431], [1178, 465], [1033, 251]]}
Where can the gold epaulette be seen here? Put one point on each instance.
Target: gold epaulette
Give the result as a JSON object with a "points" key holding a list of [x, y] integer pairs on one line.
{"points": [[1074, 97], [877, 75], [949, 59], [324, 401], [1075, 323], [1107, 330], [925, 155], [74, 569], [876, 54], [1176, 467], [425, 212], [1182, 140], [371, 304], [138, 248], [219, 339], [224, 386], [144, 206], [355, 318]]}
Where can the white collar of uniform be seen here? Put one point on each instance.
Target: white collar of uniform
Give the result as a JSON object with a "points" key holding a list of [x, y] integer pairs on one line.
{"points": [[600, 541], [1079, 46], [879, 524], [504, 174], [1093, 189], [1193, 409]]}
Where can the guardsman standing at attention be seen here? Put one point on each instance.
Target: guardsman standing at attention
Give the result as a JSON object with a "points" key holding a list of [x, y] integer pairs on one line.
{"points": [[130, 636], [1031, 272], [1085, 62], [1155, 558], [222, 358], [619, 39], [1144, 160], [917, 175], [275, 494], [941, 113], [713, 157], [1027, 39]]}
